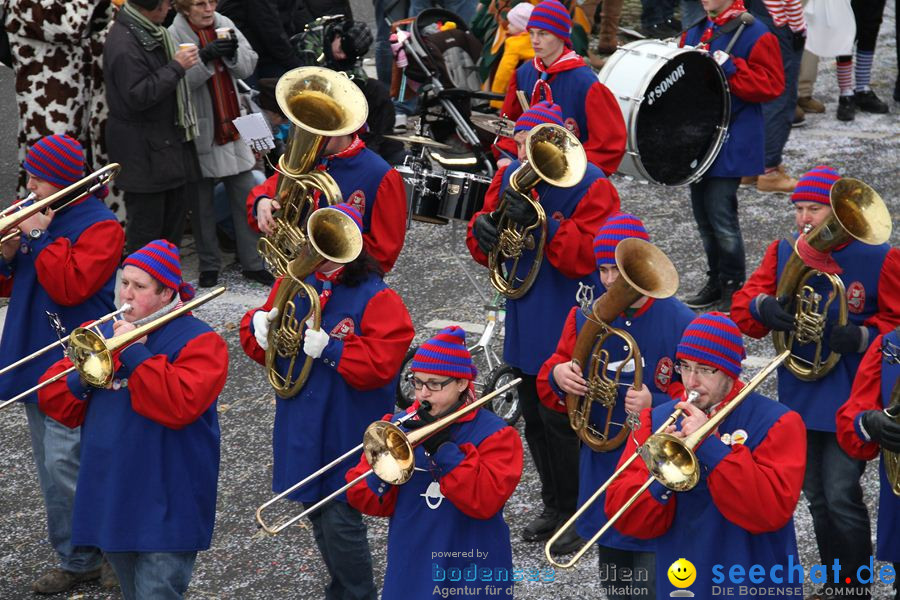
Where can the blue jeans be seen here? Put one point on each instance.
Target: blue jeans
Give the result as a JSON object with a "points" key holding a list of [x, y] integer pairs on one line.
{"points": [[394, 10], [341, 537], [465, 9], [840, 517], [153, 575], [204, 219], [639, 563], [57, 451], [714, 202], [655, 12]]}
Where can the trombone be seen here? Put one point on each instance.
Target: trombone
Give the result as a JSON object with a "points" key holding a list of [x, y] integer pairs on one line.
{"points": [[670, 460], [389, 451]]}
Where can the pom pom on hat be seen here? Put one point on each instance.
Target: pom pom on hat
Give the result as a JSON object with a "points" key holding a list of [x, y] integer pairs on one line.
{"points": [[713, 340], [617, 228], [552, 16], [815, 185], [445, 354], [58, 159], [160, 258]]}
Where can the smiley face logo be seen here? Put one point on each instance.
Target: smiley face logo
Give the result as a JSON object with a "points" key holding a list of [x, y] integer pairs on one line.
{"points": [[682, 573]]}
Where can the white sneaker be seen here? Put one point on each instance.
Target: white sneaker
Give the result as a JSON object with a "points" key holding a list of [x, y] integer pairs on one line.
{"points": [[400, 122]]}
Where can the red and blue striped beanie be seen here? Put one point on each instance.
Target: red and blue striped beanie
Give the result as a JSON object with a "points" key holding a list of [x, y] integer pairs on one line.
{"points": [[57, 159], [540, 113], [552, 16], [815, 185], [713, 340], [617, 228], [350, 211], [445, 354], [161, 260]]}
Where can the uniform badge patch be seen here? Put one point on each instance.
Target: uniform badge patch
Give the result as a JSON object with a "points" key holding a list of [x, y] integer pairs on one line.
{"points": [[663, 374], [572, 126], [358, 201], [344, 328], [856, 297]]}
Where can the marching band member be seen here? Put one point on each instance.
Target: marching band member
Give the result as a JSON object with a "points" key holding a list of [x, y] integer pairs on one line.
{"points": [[453, 503], [863, 429], [573, 217], [64, 262], [365, 333], [146, 492], [590, 110], [751, 470], [755, 75], [871, 275], [656, 326]]}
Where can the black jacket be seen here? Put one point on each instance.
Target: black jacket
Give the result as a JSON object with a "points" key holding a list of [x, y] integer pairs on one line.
{"points": [[267, 30]]}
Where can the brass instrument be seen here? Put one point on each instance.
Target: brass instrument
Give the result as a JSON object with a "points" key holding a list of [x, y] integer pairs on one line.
{"points": [[331, 236], [892, 459], [320, 103], [644, 270], [857, 212], [389, 451], [15, 214], [554, 155], [670, 460]]}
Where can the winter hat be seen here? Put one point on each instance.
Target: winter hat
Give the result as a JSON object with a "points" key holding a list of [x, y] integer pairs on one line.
{"points": [[542, 112], [617, 228], [552, 16], [146, 4], [445, 354], [161, 260], [518, 17], [58, 159], [713, 340], [815, 185], [348, 210]]}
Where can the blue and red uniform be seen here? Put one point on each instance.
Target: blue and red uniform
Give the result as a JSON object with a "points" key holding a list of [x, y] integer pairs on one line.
{"points": [[452, 504], [368, 184], [149, 443]]}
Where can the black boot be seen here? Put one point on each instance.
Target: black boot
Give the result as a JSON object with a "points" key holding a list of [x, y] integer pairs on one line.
{"points": [[867, 101], [729, 287], [709, 295], [542, 526], [846, 108]]}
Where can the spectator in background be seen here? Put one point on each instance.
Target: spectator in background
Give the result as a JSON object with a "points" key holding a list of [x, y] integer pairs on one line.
{"points": [[516, 49], [268, 30], [868, 15], [386, 10], [658, 18]]}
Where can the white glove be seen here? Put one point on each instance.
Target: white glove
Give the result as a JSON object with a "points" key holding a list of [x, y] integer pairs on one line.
{"points": [[721, 57], [261, 321], [314, 342]]}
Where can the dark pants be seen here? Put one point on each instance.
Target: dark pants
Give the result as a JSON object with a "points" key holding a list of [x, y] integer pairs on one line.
{"points": [[840, 517], [149, 217], [554, 448], [203, 222], [341, 537], [868, 15], [656, 12], [714, 202], [641, 565]]}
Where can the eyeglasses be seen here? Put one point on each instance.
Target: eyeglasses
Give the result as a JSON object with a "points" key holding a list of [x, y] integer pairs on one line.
{"points": [[433, 386], [209, 3], [699, 371]]}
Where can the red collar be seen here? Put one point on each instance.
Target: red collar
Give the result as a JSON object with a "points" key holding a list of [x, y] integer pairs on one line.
{"points": [[335, 276], [737, 387], [642, 309], [355, 147], [565, 62]]}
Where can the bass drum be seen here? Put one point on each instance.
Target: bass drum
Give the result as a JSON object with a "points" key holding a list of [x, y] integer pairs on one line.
{"points": [[424, 194], [676, 106]]}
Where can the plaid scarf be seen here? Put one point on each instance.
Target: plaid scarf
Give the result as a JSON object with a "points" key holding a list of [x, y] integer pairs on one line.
{"points": [[736, 8], [221, 90], [185, 118]]}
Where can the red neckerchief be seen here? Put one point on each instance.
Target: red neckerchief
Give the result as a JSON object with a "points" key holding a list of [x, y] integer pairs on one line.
{"points": [[325, 294], [355, 147], [565, 62], [736, 8]]}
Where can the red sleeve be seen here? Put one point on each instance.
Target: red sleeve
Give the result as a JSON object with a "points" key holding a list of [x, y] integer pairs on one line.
{"points": [[372, 357], [387, 227], [175, 394], [760, 77], [605, 145], [56, 399], [764, 280], [888, 315], [248, 340], [266, 188], [365, 499], [6, 286], [759, 490], [511, 110], [865, 395], [487, 476], [491, 201], [547, 390], [72, 273], [571, 249]]}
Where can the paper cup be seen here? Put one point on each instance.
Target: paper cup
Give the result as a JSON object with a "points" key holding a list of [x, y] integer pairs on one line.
{"points": [[223, 32], [186, 45]]}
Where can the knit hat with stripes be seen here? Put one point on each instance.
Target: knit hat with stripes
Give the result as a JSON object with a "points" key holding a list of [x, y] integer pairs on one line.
{"points": [[714, 340], [815, 185], [542, 112], [161, 260], [552, 16], [617, 228], [58, 159], [445, 354]]}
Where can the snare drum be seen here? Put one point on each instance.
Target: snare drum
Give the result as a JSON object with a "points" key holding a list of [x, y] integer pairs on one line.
{"points": [[463, 194], [676, 106], [423, 194]]}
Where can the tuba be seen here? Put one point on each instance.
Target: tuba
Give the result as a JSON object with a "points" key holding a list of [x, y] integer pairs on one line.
{"points": [[892, 459], [857, 212], [554, 155], [644, 270], [320, 103]]}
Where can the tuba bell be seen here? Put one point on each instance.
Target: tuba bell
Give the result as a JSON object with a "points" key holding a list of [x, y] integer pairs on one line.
{"points": [[891, 460], [554, 155], [857, 212], [644, 270]]}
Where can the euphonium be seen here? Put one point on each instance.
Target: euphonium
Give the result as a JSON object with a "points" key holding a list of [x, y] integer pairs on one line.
{"points": [[892, 459], [331, 236], [320, 103], [644, 270], [554, 155], [857, 212]]}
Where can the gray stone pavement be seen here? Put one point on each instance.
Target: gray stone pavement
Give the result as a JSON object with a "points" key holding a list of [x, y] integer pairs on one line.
{"points": [[429, 275]]}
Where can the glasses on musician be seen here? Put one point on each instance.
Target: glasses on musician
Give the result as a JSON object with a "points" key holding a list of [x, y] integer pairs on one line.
{"points": [[699, 370], [433, 385]]}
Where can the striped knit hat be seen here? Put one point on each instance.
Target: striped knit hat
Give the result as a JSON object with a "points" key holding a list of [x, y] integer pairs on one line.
{"points": [[552, 16], [617, 228], [58, 159], [542, 112], [815, 185], [714, 340], [160, 259], [350, 211], [445, 354]]}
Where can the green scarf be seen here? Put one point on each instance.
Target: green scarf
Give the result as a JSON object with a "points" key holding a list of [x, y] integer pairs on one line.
{"points": [[186, 118]]}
